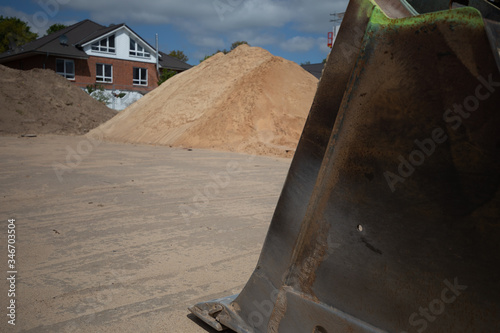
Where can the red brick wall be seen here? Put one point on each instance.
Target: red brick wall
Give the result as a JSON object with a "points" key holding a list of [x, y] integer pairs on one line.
{"points": [[122, 74], [85, 71]]}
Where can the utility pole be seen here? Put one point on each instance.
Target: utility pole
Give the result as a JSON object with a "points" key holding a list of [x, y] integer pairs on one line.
{"points": [[157, 57], [337, 20]]}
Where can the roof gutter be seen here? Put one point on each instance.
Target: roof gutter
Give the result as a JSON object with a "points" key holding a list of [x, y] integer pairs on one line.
{"points": [[30, 54]]}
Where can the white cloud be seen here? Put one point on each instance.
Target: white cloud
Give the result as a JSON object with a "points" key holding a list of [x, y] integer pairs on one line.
{"points": [[146, 12], [9, 11], [216, 15], [260, 13], [316, 16], [262, 40], [215, 24], [211, 42], [255, 37], [298, 44], [322, 43]]}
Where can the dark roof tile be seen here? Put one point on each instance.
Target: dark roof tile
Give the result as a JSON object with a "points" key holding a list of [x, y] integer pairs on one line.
{"points": [[314, 69], [170, 62], [99, 32]]}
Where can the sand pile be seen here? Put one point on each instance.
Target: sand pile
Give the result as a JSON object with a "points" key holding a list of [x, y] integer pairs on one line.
{"points": [[246, 101], [39, 101]]}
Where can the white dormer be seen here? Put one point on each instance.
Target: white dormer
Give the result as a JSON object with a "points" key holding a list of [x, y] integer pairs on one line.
{"points": [[120, 43]]}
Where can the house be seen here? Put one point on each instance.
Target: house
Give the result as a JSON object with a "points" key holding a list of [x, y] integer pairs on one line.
{"points": [[314, 69], [172, 63], [88, 53]]}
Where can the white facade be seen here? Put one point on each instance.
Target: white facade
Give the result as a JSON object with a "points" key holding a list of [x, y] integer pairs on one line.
{"points": [[122, 47]]}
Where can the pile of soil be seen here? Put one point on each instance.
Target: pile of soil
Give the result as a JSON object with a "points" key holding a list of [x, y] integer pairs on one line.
{"points": [[245, 101], [39, 101]]}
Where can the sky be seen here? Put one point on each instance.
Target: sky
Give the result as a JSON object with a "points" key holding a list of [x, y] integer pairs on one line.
{"points": [[295, 29]]}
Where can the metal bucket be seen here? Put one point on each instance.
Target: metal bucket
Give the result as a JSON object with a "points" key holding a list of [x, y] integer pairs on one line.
{"points": [[389, 219]]}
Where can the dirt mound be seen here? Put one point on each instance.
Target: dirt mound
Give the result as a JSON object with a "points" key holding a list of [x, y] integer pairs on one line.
{"points": [[39, 101], [246, 101]]}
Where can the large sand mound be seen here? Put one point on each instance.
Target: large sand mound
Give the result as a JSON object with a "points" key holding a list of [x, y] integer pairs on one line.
{"points": [[39, 101], [247, 101]]}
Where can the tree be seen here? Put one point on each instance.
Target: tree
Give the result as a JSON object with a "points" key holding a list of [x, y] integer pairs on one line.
{"points": [[238, 43], [305, 63], [13, 33], [206, 57], [233, 46], [55, 27], [179, 55], [165, 75], [211, 55]]}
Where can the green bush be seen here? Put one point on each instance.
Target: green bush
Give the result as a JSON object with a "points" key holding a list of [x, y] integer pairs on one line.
{"points": [[93, 87], [165, 75], [97, 92]]}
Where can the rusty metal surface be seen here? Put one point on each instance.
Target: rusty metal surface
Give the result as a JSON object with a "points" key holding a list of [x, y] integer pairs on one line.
{"points": [[389, 219]]}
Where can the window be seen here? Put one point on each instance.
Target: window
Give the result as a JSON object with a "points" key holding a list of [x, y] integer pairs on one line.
{"points": [[66, 68], [137, 51], [140, 76], [105, 45], [104, 73]]}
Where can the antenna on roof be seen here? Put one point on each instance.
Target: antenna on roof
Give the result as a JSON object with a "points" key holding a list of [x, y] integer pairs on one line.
{"points": [[63, 39]]}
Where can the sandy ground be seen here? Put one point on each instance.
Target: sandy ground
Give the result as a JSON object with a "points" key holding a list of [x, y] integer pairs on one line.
{"points": [[104, 243]]}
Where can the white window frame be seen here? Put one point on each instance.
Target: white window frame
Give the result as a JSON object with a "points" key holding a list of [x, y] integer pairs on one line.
{"points": [[140, 81], [103, 78], [106, 48], [135, 51], [65, 73]]}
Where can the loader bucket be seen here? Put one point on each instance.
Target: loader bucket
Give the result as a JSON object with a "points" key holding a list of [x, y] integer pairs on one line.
{"points": [[389, 219]]}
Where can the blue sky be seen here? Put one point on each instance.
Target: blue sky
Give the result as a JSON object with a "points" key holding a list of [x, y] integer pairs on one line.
{"points": [[295, 30]]}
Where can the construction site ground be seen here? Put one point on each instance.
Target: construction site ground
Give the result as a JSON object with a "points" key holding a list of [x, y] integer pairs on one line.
{"points": [[114, 237]]}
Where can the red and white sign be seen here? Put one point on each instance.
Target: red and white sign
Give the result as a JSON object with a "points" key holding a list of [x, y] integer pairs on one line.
{"points": [[330, 39]]}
